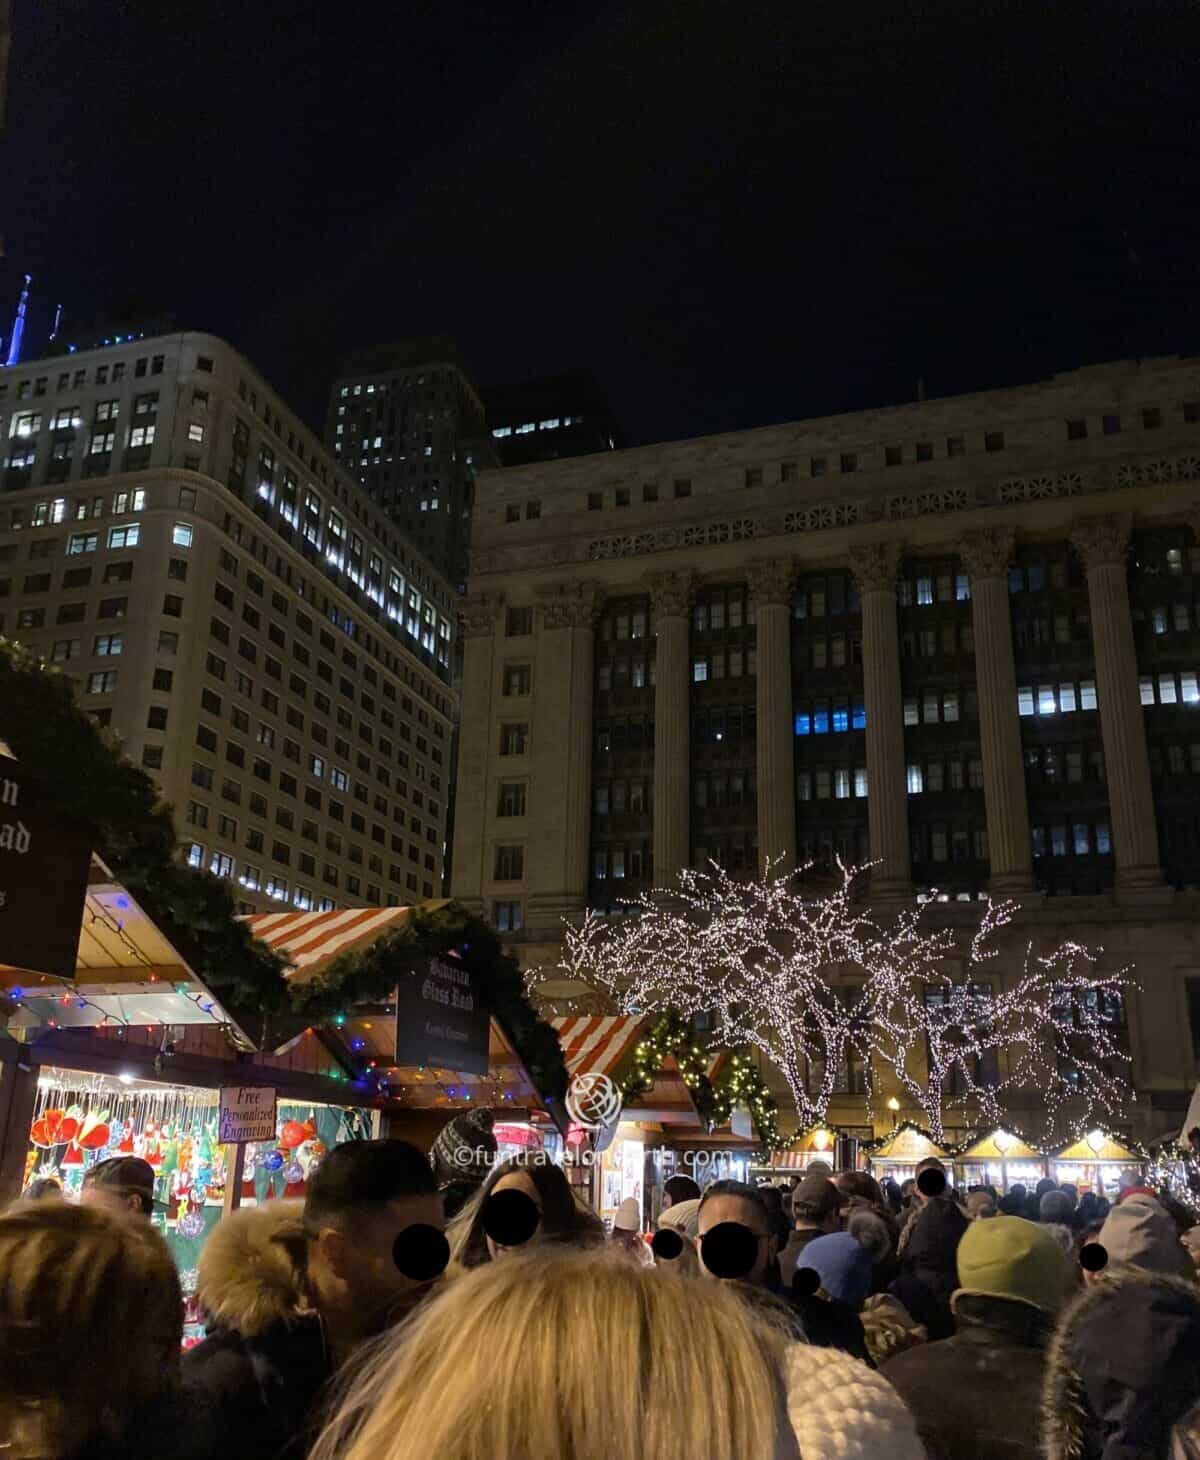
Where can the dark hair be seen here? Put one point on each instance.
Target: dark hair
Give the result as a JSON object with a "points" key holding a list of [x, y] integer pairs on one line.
{"points": [[930, 1163], [361, 1175], [45, 1186], [681, 1188], [564, 1216], [779, 1223], [751, 1194], [860, 1184], [1019, 1190], [1044, 1185]]}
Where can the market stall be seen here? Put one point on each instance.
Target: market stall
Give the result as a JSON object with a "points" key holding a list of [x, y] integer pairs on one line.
{"points": [[820, 1143], [1096, 1162], [1001, 1158], [897, 1154]]}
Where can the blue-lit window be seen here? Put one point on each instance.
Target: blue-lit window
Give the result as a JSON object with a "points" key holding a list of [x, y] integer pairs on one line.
{"points": [[924, 590], [803, 723], [859, 719], [821, 717], [841, 716], [1103, 844], [962, 587], [1016, 580]]}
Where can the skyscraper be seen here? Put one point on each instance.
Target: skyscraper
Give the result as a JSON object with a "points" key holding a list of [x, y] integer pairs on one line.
{"points": [[549, 419], [407, 423]]}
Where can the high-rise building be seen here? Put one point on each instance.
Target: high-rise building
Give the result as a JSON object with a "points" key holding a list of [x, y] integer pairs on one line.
{"points": [[549, 419], [263, 640], [959, 638], [407, 424]]}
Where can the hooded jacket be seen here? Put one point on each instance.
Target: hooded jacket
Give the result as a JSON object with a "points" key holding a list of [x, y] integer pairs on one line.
{"points": [[253, 1388], [1123, 1368]]}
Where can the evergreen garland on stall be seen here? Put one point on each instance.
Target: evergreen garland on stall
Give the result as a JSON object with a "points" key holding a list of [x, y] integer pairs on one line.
{"points": [[740, 1084], [370, 975]]}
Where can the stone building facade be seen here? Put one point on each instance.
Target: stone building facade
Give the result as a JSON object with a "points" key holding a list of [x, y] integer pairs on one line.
{"points": [[254, 630], [959, 638]]}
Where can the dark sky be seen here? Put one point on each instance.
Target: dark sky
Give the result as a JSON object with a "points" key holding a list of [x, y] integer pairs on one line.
{"points": [[732, 212]]}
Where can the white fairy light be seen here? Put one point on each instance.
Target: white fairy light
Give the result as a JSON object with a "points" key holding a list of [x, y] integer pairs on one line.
{"points": [[812, 980]]}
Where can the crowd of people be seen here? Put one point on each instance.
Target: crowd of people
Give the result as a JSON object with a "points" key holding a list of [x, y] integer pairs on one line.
{"points": [[835, 1318]]}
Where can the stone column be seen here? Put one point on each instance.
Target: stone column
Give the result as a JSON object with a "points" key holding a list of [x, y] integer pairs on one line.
{"points": [[671, 597], [477, 732], [986, 556], [874, 568], [561, 791], [771, 592], [1102, 543]]}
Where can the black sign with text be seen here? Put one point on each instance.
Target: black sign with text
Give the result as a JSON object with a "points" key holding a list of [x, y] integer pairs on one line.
{"points": [[441, 1022], [44, 861]]}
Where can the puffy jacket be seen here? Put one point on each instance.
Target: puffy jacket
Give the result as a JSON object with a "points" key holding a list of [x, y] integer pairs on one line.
{"points": [[953, 1386], [1123, 1368], [928, 1266], [841, 1410], [253, 1389]]}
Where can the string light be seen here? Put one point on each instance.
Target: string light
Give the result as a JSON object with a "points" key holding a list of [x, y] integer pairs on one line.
{"points": [[811, 980]]}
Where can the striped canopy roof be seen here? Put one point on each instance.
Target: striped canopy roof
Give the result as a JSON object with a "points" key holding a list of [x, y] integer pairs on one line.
{"points": [[309, 940], [596, 1044]]}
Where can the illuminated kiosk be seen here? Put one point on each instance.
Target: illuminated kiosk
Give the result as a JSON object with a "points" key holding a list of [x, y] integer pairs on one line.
{"points": [[1096, 1161], [820, 1143], [898, 1153], [1000, 1159]]}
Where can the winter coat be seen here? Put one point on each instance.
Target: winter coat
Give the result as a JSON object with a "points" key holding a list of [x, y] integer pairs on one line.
{"points": [[841, 1410], [253, 1389], [830, 1324], [1123, 1368], [978, 1393], [928, 1267], [789, 1257]]}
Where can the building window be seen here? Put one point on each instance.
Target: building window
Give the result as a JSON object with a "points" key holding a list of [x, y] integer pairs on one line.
{"points": [[754, 476], [1151, 418], [621, 497], [195, 431], [124, 537], [683, 487], [993, 441], [956, 446], [849, 461], [595, 501], [181, 534], [1076, 430], [102, 682], [511, 801], [509, 864], [518, 622], [108, 644], [517, 678], [507, 916]]}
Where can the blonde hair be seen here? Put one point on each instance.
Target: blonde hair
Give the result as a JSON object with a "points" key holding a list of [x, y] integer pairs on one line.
{"points": [[569, 1352], [91, 1320]]}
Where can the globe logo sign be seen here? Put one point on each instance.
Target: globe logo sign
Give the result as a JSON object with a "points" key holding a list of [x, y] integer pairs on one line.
{"points": [[593, 1101]]}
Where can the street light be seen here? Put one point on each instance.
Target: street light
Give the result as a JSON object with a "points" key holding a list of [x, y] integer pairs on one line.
{"points": [[894, 1106]]}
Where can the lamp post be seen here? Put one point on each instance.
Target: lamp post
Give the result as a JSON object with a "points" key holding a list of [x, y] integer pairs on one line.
{"points": [[894, 1106]]}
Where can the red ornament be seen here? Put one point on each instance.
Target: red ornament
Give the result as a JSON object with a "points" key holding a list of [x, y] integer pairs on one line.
{"points": [[96, 1138], [292, 1135], [73, 1156]]}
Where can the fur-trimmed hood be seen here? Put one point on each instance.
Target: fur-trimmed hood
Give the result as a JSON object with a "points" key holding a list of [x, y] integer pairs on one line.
{"points": [[1123, 1367], [251, 1272]]}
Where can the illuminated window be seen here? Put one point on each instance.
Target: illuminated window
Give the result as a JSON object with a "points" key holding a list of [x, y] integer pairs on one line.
{"points": [[916, 780], [195, 431], [181, 534]]}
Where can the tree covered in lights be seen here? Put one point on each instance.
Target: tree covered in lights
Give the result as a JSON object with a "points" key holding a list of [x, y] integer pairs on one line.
{"points": [[813, 980]]}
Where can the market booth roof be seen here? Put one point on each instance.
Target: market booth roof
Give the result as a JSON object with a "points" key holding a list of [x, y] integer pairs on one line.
{"points": [[1000, 1145], [1101, 1145], [127, 972], [310, 942], [908, 1143]]}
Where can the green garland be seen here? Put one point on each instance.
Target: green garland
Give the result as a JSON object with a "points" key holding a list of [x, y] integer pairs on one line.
{"points": [[741, 1083]]}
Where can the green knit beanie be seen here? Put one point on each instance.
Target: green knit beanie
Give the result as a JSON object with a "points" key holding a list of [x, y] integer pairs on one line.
{"points": [[1008, 1257]]}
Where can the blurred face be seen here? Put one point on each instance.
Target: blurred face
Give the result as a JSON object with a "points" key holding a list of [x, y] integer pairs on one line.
{"points": [[355, 1270], [515, 1181], [720, 1209]]}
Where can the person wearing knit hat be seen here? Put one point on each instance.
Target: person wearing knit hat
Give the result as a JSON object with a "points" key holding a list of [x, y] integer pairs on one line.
{"points": [[683, 1219], [828, 1288], [627, 1231], [1013, 1279], [816, 1211], [1056, 1206]]}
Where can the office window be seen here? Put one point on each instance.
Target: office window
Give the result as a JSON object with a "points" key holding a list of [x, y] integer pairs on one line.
{"points": [[817, 466], [181, 534], [1151, 418], [108, 644], [124, 537], [518, 622], [82, 542], [64, 649], [511, 801], [1076, 430], [102, 682], [507, 916], [993, 441], [112, 608], [916, 780], [683, 487], [517, 679], [172, 605], [514, 739], [195, 431], [849, 461], [892, 456], [595, 501], [509, 864], [955, 446]]}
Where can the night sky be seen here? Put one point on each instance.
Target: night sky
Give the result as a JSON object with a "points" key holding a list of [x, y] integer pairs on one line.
{"points": [[732, 213]]}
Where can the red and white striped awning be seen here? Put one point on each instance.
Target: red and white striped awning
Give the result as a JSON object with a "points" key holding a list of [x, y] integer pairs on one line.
{"points": [[309, 940], [595, 1045]]}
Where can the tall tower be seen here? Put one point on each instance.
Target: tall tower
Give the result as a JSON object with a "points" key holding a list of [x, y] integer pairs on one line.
{"points": [[18, 329]]}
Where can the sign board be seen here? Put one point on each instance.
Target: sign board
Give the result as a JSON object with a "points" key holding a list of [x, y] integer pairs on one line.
{"points": [[44, 860], [247, 1114], [440, 1019], [739, 1122]]}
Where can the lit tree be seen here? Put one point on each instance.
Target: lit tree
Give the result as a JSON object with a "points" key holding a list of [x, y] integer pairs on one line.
{"points": [[811, 980]]}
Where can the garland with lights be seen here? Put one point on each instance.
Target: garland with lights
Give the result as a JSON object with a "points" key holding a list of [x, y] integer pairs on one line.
{"points": [[809, 980], [370, 975]]}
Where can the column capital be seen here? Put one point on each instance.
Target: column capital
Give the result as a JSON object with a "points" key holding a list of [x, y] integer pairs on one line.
{"points": [[478, 611], [671, 593], [875, 565], [1102, 541], [988, 552], [770, 581], [570, 605]]}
